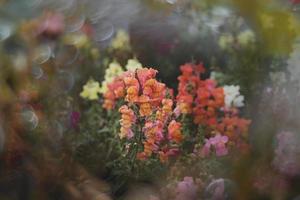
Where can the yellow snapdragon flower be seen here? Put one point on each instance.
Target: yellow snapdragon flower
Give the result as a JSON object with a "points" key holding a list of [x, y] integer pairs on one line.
{"points": [[90, 90], [114, 69], [121, 41], [79, 40], [133, 64]]}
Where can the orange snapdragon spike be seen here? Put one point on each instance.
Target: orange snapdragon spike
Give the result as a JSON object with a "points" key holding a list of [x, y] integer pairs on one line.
{"points": [[145, 74], [166, 111], [150, 129], [185, 108], [109, 100], [163, 157], [185, 103], [174, 131], [127, 119], [189, 82], [132, 94], [108, 104], [131, 81], [187, 70], [154, 90], [118, 88], [142, 156], [150, 147], [145, 106], [233, 127], [167, 106]]}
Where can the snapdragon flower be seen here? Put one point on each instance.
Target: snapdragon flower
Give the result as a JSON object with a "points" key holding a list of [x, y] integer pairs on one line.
{"points": [[218, 142], [114, 69], [133, 64], [90, 90], [121, 41], [233, 98]]}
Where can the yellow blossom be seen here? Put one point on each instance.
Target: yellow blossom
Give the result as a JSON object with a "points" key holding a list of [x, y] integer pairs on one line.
{"points": [[133, 64], [90, 90], [121, 41], [114, 69], [79, 40]]}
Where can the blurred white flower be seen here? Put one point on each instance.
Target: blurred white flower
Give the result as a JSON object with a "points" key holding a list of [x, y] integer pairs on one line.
{"points": [[233, 98]]}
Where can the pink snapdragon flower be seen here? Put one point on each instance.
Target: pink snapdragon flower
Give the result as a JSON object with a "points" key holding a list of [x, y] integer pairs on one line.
{"points": [[218, 142]]}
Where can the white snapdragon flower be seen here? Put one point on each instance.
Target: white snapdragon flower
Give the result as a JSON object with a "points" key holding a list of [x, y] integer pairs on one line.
{"points": [[233, 98]]}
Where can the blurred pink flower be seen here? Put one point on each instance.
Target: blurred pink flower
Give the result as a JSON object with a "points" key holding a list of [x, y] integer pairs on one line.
{"points": [[186, 189], [52, 24], [218, 142], [206, 149]]}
